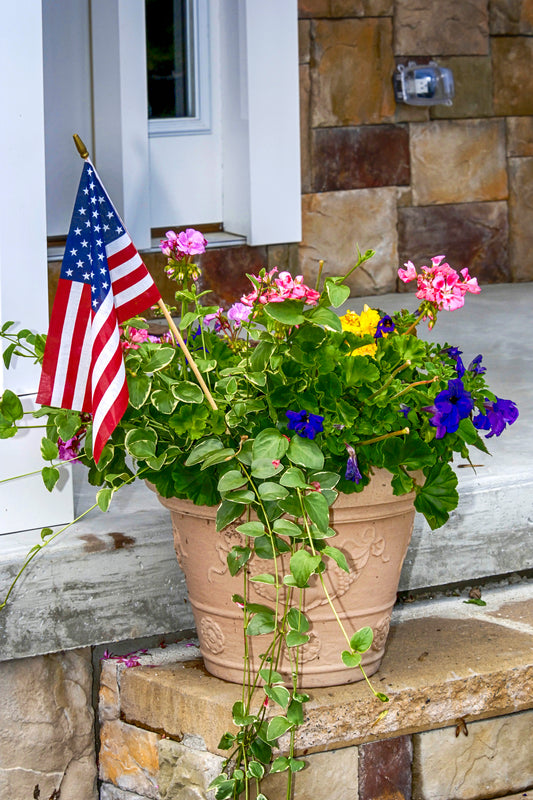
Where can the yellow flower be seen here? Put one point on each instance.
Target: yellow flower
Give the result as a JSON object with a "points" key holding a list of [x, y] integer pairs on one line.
{"points": [[362, 324]]}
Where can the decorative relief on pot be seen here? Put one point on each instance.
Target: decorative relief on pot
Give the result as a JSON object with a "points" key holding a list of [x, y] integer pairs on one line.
{"points": [[181, 553], [381, 631], [211, 635], [229, 537], [307, 652]]}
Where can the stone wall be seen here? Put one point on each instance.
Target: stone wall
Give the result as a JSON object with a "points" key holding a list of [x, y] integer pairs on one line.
{"points": [[406, 181]]}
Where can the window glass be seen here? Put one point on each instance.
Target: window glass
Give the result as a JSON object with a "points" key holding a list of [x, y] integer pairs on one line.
{"points": [[170, 59]]}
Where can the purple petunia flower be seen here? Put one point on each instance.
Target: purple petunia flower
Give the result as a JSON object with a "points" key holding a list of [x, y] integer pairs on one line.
{"points": [[352, 468], [498, 415], [475, 366], [305, 424], [450, 407], [239, 313], [385, 325], [456, 354]]}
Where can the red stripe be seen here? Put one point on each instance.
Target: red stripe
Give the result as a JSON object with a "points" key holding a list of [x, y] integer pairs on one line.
{"points": [[121, 256], [53, 341], [130, 279], [110, 422], [139, 304]]}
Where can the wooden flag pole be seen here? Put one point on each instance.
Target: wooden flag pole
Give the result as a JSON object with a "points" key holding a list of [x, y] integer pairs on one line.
{"points": [[84, 153]]}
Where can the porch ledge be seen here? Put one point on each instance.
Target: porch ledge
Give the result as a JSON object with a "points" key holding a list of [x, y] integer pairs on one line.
{"points": [[445, 662]]}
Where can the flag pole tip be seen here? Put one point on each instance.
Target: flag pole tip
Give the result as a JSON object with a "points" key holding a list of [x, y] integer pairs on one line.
{"points": [[80, 147]]}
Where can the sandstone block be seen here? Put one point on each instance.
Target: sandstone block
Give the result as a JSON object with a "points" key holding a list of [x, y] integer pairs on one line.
{"points": [[473, 88], [441, 27], [331, 774], [351, 78], [46, 727], [110, 792], [334, 223], [304, 41], [305, 127], [224, 272], [458, 161], [512, 75], [360, 158], [494, 760], [108, 696], [129, 758], [185, 774], [473, 235], [284, 256], [385, 769], [519, 136], [521, 218], [511, 17], [345, 8]]}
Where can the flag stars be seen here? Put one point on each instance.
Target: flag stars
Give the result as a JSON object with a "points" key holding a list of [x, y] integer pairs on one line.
{"points": [[105, 285], [77, 231], [98, 242], [85, 276], [79, 263], [69, 273], [97, 228], [119, 229], [73, 252], [106, 227], [85, 243], [81, 210], [100, 256], [95, 213], [102, 270]]}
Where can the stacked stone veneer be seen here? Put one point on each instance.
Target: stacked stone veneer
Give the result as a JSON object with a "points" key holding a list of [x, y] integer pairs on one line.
{"points": [[409, 182]]}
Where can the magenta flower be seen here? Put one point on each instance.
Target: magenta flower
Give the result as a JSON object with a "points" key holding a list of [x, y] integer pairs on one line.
{"points": [[239, 313], [191, 242], [69, 450], [440, 284]]}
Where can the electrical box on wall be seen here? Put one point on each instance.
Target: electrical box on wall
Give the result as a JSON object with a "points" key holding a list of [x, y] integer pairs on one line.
{"points": [[423, 84]]}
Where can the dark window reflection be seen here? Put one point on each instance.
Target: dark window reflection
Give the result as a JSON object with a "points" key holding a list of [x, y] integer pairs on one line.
{"points": [[169, 59]]}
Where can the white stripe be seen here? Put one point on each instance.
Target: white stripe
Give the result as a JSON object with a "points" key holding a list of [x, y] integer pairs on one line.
{"points": [[69, 323], [124, 269], [84, 365], [129, 294], [117, 245], [99, 320]]}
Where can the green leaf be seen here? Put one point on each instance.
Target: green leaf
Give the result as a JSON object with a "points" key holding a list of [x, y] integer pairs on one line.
{"points": [[350, 659], [295, 639], [272, 491], [362, 640], [243, 496], [45, 533], [237, 558], [324, 316], [10, 406], [202, 450], [260, 623], [226, 742], [188, 392], [264, 468], [382, 696], [293, 477], [233, 479], [289, 312], [305, 453], [438, 496], [239, 716], [141, 442], [226, 454], [280, 764], [50, 477], [227, 513], [297, 621], [139, 387], [67, 425], [337, 555], [277, 726], [163, 401], [261, 750], [103, 498], [475, 601], [159, 359], [269, 444], [284, 527], [337, 293], [251, 529], [295, 713], [327, 480], [295, 765], [467, 431], [279, 694], [264, 577], [303, 565], [270, 676], [49, 449], [225, 790], [256, 770], [317, 508]]}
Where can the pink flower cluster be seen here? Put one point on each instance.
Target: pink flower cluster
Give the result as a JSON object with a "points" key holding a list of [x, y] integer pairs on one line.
{"points": [[440, 284], [284, 287], [137, 336], [187, 243]]}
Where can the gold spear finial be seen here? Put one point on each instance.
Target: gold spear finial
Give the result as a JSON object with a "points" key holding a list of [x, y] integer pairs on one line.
{"points": [[80, 147]]}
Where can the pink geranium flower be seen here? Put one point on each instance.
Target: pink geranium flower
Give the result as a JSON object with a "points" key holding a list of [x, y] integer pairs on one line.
{"points": [[440, 284]]}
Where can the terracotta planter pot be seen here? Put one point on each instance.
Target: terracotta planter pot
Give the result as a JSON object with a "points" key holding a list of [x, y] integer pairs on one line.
{"points": [[373, 530]]}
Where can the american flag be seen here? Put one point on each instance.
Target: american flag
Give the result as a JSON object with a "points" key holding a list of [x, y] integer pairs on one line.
{"points": [[103, 282]]}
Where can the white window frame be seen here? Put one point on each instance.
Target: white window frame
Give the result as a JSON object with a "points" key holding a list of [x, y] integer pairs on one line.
{"points": [[201, 122]]}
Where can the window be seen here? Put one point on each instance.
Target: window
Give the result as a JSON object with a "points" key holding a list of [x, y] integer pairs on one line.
{"points": [[177, 53]]}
